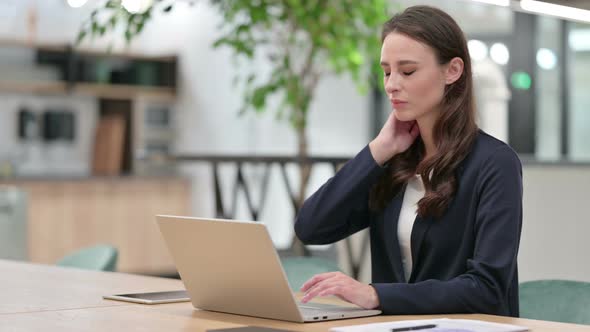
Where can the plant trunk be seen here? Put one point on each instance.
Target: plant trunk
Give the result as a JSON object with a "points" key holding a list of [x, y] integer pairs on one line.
{"points": [[305, 172]]}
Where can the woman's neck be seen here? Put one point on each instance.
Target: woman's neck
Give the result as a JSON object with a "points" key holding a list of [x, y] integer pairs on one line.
{"points": [[426, 125]]}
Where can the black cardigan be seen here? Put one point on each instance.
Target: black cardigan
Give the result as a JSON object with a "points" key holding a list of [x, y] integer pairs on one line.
{"points": [[463, 262]]}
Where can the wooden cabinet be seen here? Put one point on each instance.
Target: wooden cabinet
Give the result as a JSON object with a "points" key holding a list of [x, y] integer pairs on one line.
{"points": [[65, 215]]}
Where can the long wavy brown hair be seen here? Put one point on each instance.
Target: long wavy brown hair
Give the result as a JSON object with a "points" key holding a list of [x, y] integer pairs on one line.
{"points": [[455, 130]]}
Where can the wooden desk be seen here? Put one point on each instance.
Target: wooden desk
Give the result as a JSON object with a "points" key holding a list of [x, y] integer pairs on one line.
{"points": [[26, 287], [46, 298]]}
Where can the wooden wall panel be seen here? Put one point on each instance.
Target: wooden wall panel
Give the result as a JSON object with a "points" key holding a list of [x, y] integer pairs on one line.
{"points": [[66, 215]]}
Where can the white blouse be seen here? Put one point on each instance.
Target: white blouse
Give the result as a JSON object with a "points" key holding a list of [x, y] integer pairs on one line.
{"points": [[414, 192]]}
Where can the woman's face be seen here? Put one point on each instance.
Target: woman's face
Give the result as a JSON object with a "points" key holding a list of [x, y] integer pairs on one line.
{"points": [[413, 79]]}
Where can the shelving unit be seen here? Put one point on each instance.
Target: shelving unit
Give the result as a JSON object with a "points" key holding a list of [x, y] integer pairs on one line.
{"points": [[124, 91], [67, 58], [135, 84], [34, 87]]}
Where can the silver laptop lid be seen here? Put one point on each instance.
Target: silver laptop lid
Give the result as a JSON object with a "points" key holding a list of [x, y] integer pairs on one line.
{"points": [[229, 266]]}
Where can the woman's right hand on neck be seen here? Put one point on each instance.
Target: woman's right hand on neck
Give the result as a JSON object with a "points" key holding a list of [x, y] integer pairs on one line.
{"points": [[395, 137]]}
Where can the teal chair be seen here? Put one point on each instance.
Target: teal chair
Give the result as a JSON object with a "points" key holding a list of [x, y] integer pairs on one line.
{"points": [[300, 269], [556, 300], [98, 258]]}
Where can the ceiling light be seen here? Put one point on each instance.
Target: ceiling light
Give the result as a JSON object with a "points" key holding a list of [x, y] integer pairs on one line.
{"points": [[499, 53], [546, 58], [136, 6], [555, 10], [477, 50], [77, 3]]}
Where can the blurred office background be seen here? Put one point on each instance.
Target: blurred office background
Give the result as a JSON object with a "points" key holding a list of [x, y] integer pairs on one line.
{"points": [[86, 133]]}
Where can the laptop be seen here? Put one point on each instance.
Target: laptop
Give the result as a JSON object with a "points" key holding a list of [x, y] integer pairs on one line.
{"points": [[232, 266]]}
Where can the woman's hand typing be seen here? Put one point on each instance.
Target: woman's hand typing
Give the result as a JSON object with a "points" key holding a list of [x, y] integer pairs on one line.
{"points": [[342, 286]]}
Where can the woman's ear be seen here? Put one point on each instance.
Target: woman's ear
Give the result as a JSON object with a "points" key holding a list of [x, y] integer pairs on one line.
{"points": [[454, 70]]}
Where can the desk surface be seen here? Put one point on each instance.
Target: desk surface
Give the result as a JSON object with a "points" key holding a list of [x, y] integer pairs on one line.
{"points": [[34, 287], [48, 298]]}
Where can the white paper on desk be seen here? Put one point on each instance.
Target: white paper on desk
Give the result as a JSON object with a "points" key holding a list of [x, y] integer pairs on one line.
{"points": [[442, 325]]}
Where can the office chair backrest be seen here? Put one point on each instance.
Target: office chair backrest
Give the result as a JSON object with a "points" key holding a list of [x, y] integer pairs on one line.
{"points": [[98, 258], [13, 223], [556, 300], [301, 269]]}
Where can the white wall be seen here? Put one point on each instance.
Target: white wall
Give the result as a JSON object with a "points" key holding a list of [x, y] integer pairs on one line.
{"points": [[556, 223]]}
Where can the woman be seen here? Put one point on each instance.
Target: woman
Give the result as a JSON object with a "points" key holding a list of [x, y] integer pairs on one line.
{"points": [[442, 199]]}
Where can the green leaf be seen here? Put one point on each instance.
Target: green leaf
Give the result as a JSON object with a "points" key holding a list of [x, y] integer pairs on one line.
{"points": [[113, 4], [95, 28], [242, 28], [355, 58], [113, 21], [139, 27], [131, 18], [81, 36], [258, 98], [258, 14], [219, 42], [128, 36]]}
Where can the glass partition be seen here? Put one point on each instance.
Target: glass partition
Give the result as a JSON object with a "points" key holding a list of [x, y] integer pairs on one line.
{"points": [[532, 77]]}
